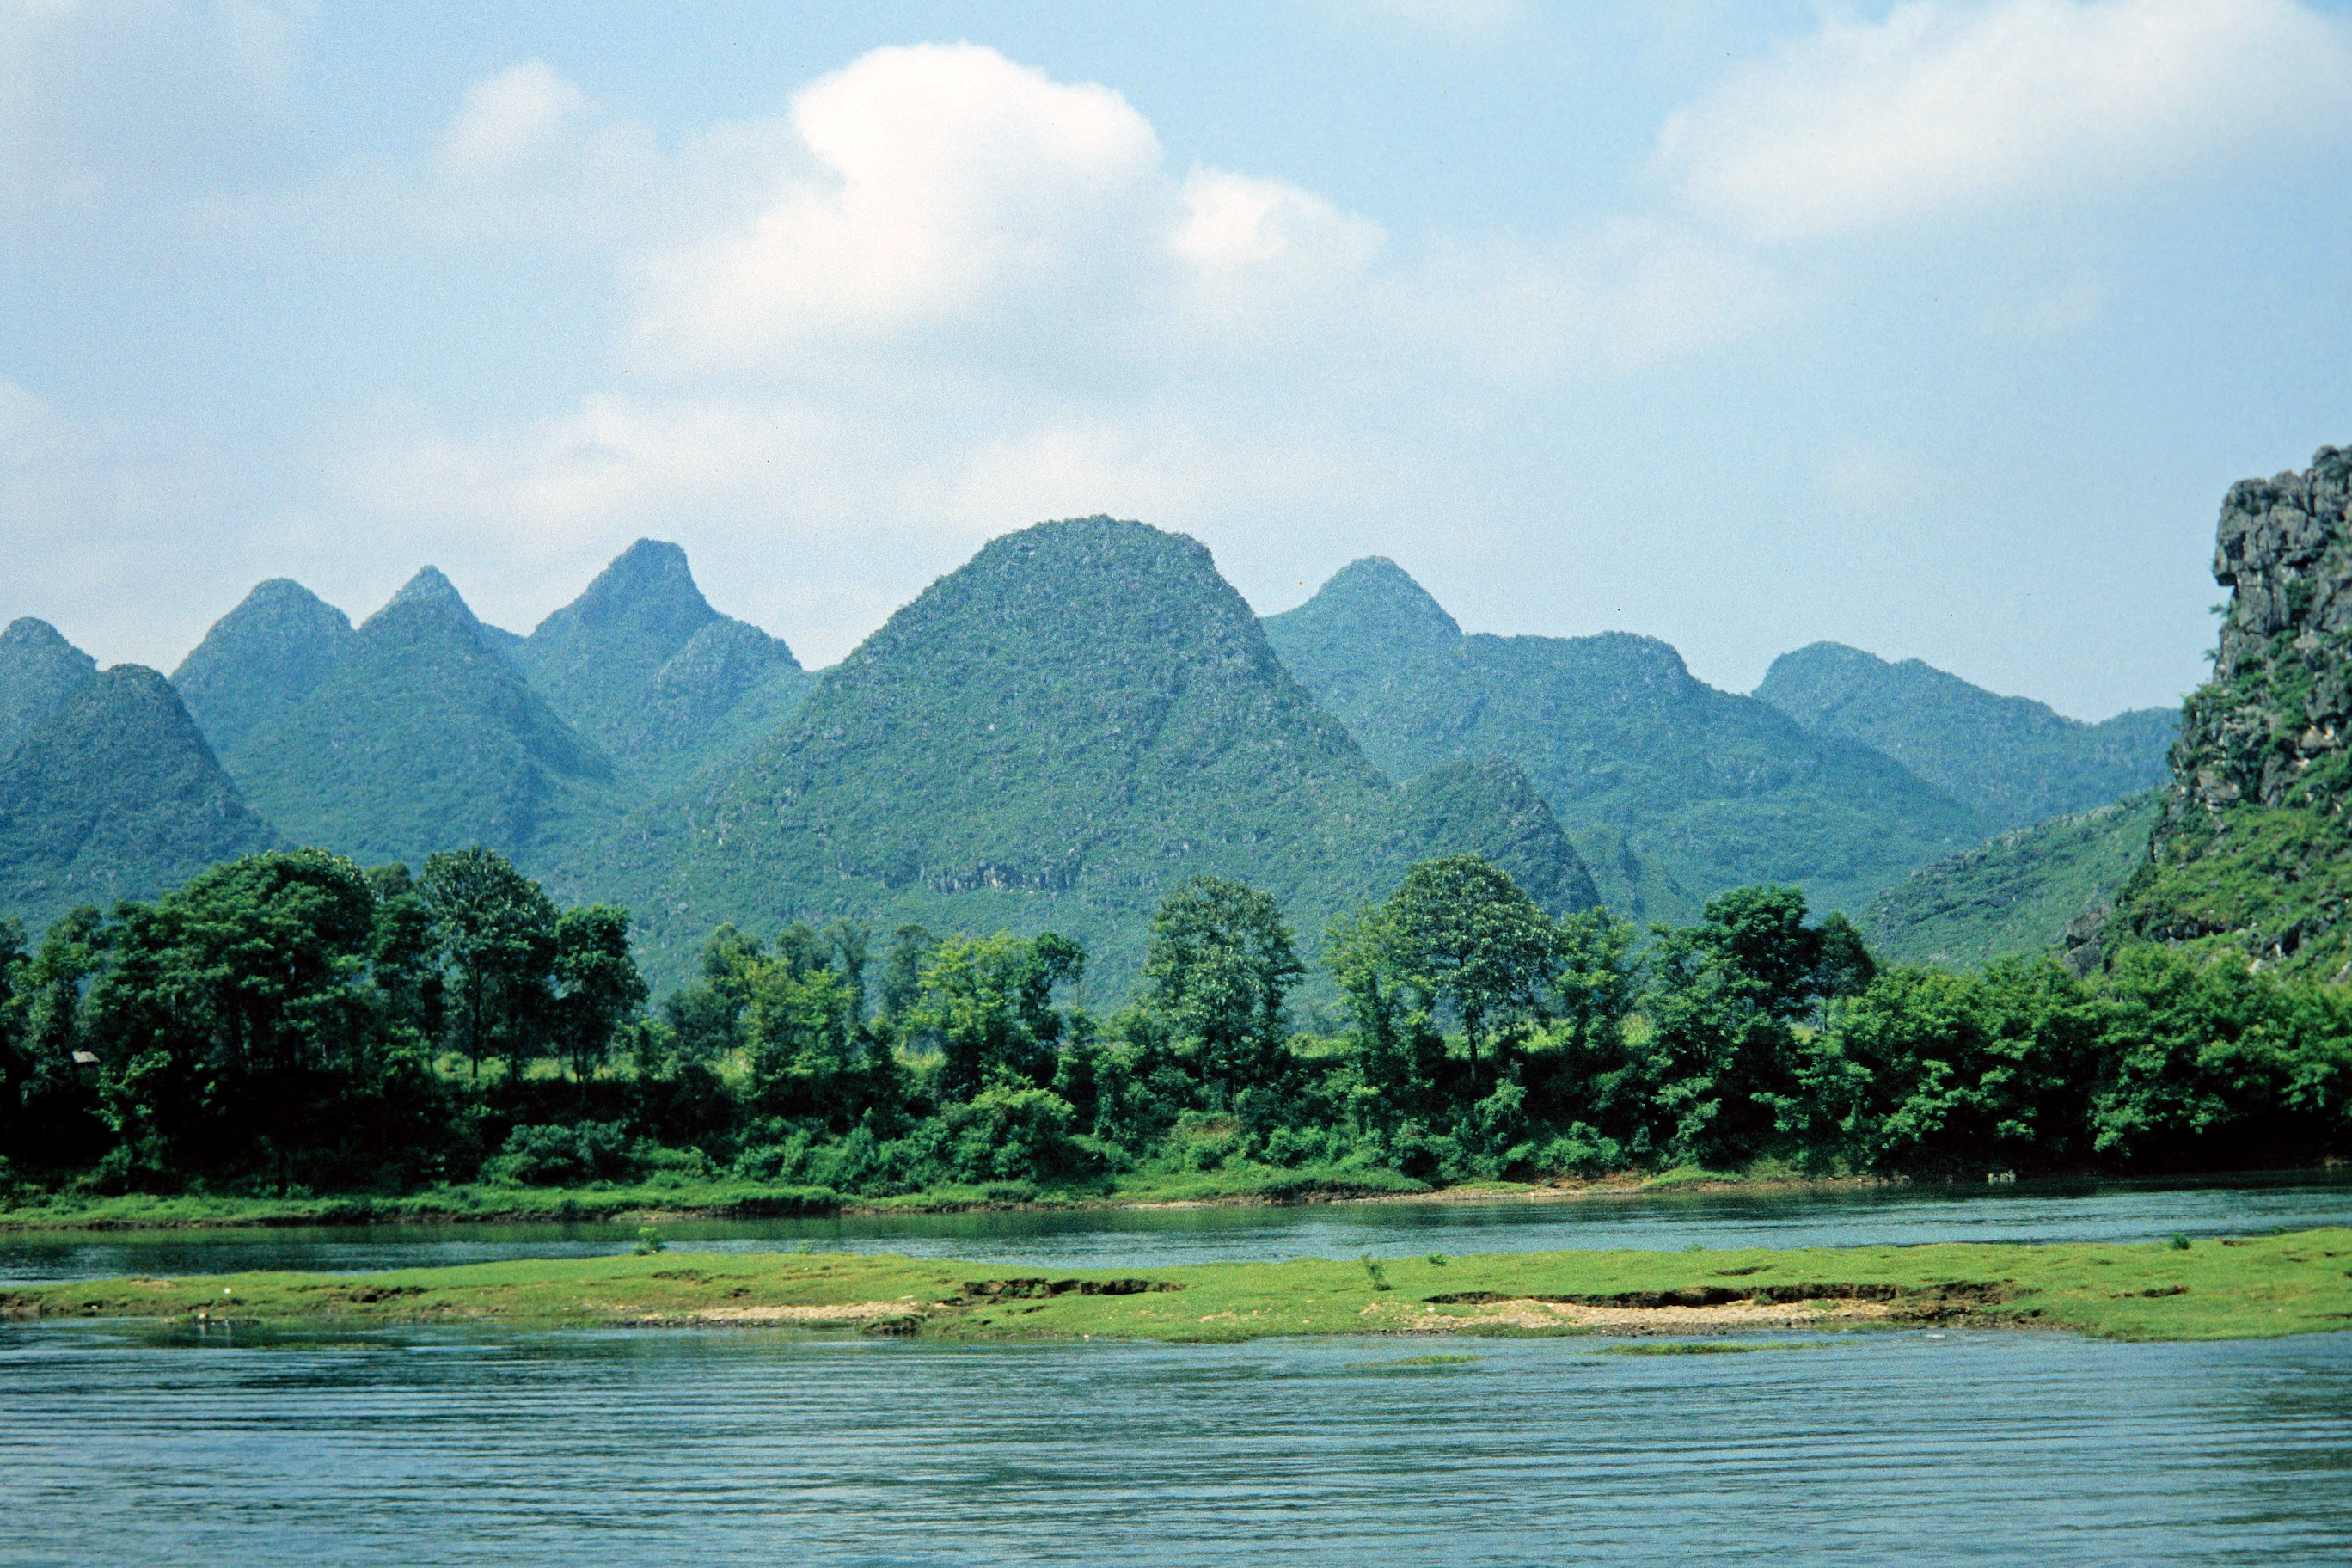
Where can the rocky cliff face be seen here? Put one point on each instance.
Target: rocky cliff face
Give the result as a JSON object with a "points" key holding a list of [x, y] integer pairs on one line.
{"points": [[2279, 703], [2255, 848]]}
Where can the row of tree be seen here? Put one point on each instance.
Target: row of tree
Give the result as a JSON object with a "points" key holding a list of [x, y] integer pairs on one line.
{"points": [[288, 1018]]}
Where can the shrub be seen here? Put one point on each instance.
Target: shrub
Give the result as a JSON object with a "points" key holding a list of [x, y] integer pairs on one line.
{"points": [[547, 1155]]}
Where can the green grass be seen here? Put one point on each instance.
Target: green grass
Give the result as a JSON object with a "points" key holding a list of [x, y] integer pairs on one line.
{"points": [[1691, 1176], [2251, 1287]]}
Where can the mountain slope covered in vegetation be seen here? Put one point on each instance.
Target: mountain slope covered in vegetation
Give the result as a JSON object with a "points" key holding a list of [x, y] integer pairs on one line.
{"points": [[40, 672], [1702, 790], [2020, 893], [260, 662], [425, 736], [2013, 759], [641, 664], [1052, 736], [115, 797]]}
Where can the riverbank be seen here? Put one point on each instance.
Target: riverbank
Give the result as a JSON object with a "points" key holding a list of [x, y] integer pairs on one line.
{"points": [[491, 1204], [2237, 1287]]}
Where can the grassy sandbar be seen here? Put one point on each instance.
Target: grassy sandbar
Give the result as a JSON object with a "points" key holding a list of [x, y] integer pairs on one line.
{"points": [[2246, 1287]]}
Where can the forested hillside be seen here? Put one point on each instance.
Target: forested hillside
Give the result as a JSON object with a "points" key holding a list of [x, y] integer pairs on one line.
{"points": [[641, 665], [39, 673], [1053, 734], [2017, 894], [1706, 789], [115, 797], [425, 736], [2014, 760]]}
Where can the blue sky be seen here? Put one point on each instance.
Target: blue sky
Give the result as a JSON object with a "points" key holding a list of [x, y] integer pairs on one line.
{"points": [[1938, 329]]}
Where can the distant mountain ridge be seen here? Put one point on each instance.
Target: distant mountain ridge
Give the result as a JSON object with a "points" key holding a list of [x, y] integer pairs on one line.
{"points": [[424, 736], [2012, 760], [1054, 735], [1051, 735], [1700, 790]]}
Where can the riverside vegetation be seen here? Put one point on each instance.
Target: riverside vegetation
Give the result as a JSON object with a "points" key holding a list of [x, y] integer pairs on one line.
{"points": [[289, 1026]]}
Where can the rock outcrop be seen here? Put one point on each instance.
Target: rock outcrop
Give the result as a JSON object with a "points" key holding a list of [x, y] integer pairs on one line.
{"points": [[2280, 702], [2254, 849]]}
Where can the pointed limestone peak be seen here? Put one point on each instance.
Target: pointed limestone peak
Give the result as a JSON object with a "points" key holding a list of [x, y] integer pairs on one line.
{"points": [[259, 660], [1371, 598], [40, 671], [430, 587], [644, 606], [30, 633]]}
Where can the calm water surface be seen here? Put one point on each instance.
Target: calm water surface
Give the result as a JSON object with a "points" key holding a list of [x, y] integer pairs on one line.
{"points": [[129, 1445], [1125, 1238]]}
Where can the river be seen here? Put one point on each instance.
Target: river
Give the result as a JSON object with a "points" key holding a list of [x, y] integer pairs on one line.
{"points": [[1143, 1239], [138, 1444]]}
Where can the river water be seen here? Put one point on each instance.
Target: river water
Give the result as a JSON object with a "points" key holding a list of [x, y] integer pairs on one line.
{"points": [[1143, 1239], [133, 1443]]}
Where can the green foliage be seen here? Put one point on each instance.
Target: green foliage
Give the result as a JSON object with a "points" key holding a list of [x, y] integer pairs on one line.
{"points": [[987, 1010], [498, 929], [274, 1025], [1220, 965], [2015, 895], [1703, 790], [2011, 759]]}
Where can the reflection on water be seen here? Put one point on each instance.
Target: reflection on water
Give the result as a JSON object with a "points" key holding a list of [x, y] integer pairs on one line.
{"points": [[1129, 1238], [691, 1448]]}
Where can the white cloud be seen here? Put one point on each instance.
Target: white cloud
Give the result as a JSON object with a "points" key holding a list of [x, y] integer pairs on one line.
{"points": [[1942, 107], [945, 295], [934, 183], [506, 119]]}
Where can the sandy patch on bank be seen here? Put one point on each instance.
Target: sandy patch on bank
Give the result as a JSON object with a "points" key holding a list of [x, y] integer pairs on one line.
{"points": [[1416, 1317], [835, 1312]]}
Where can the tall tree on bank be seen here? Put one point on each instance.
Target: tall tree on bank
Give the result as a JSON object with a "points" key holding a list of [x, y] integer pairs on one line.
{"points": [[1458, 932], [1220, 965], [497, 928]]}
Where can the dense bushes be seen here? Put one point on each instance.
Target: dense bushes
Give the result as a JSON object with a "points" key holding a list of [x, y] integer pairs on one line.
{"points": [[287, 1022]]}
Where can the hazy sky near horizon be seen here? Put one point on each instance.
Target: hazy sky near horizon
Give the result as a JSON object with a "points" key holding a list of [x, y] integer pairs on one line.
{"points": [[1935, 328]]}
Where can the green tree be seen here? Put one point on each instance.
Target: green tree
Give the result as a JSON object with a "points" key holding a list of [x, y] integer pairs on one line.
{"points": [[1929, 1070], [598, 986], [902, 974], [988, 1005], [1722, 1064], [404, 958], [1220, 964], [236, 1010], [1460, 932], [811, 1054], [497, 928]]}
